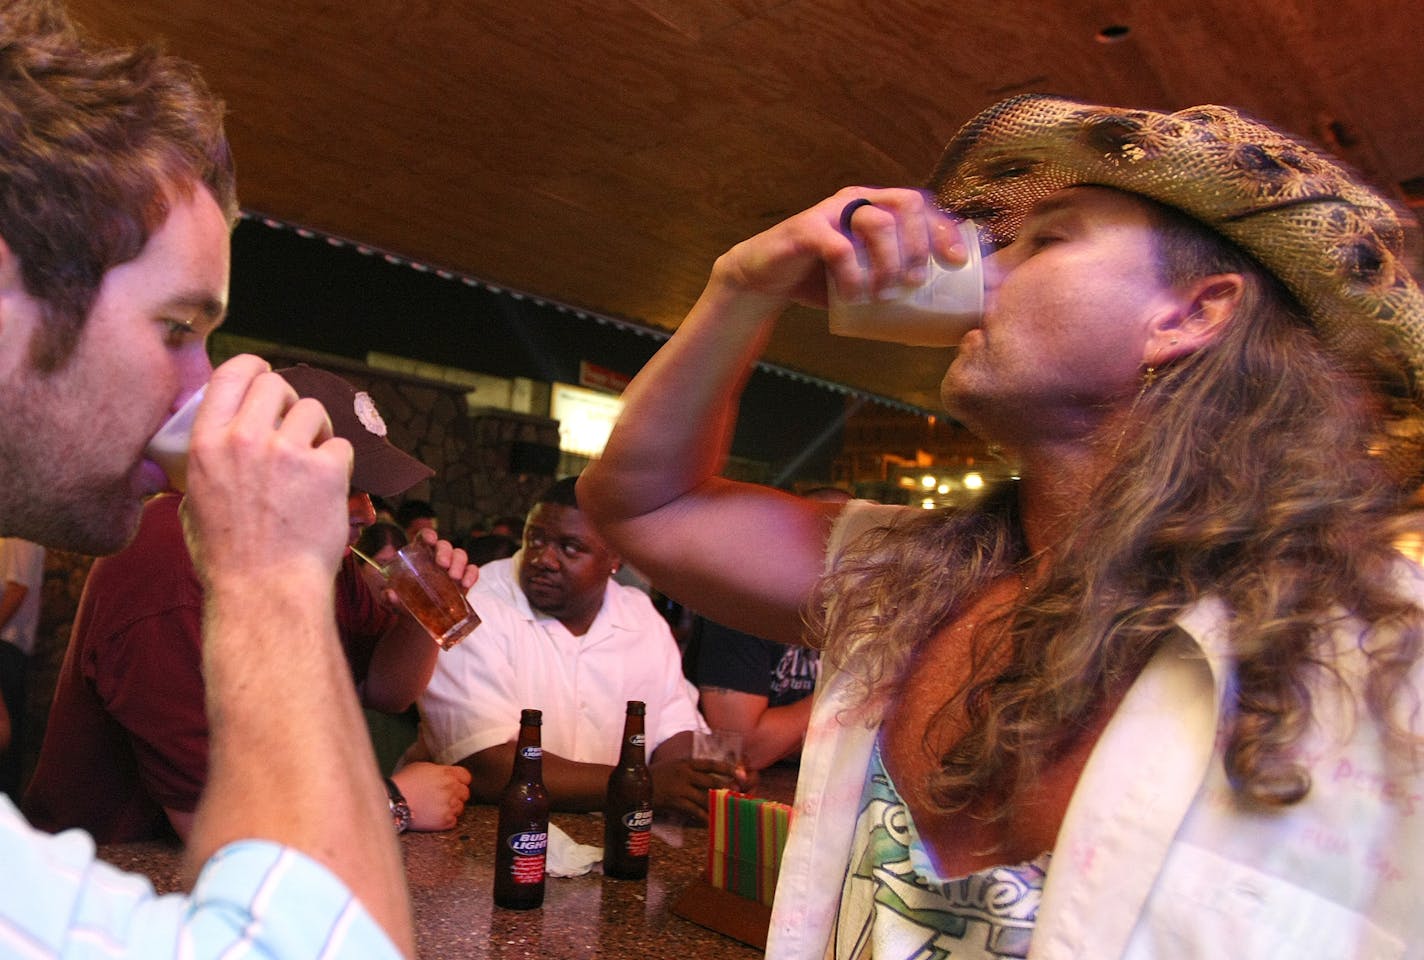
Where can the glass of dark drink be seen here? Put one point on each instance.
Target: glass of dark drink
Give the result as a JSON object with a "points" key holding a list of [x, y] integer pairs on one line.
{"points": [[437, 602]]}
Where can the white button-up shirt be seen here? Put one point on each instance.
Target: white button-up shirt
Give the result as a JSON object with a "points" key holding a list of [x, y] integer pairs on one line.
{"points": [[519, 658]]}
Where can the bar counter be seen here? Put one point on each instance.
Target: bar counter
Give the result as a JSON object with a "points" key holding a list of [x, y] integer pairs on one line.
{"points": [[451, 877]]}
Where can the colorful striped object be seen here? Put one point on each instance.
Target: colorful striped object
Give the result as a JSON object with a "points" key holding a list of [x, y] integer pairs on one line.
{"points": [[745, 837]]}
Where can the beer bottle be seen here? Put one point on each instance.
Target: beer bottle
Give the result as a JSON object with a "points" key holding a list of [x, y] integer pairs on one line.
{"points": [[628, 807], [523, 823]]}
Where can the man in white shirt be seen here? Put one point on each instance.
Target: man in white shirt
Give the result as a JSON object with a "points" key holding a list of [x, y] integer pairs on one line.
{"points": [[559, 635], [22, 574]]}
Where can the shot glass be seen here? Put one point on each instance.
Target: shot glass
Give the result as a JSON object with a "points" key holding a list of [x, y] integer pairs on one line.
{"points": [[169, 446], [426, 590], [937, 313]]}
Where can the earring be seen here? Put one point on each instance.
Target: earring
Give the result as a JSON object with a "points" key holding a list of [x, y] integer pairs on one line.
{"points": [[1174, 341], [1149, 377]]}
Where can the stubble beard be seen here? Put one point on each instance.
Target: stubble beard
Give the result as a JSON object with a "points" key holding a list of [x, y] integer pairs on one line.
{"points": [[47, 496]]}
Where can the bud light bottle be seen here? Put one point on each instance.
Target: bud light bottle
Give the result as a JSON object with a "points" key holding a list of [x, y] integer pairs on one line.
{"points": [[628, 807], [523, 823]]}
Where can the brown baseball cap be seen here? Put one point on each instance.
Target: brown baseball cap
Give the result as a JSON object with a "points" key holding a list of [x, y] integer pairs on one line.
{"points": [[380, 468]]}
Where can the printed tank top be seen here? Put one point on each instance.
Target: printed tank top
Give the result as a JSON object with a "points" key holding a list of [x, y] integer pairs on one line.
{"points": [[894, 906]]}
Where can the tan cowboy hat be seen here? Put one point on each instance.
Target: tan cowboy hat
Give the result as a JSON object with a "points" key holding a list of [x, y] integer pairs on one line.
{"points": [[1336, 244]]}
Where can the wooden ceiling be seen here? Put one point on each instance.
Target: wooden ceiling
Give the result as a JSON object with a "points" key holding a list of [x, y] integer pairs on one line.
{"points": [[602, 154]]}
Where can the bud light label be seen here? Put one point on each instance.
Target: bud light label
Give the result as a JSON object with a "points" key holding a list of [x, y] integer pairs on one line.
{"points": [[638, 819], [527, 843], [529, 848], [532, 753], [640, 832], [637, 740]]}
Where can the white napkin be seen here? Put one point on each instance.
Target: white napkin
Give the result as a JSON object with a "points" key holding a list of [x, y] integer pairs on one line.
{"points": [[565, 858]]}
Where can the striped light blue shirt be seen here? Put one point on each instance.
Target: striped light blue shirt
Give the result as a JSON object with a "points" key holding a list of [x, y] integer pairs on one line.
{"points": [[253, 899]]}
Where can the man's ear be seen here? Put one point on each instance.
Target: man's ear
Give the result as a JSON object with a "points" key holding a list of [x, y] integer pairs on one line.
{"points": [[1203, 310]]}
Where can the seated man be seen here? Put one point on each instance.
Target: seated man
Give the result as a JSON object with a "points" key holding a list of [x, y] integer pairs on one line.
{"points": [[559, 636], [125, 753]]}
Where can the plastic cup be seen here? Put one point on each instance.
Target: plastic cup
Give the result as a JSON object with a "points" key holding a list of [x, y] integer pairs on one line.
{"points": [[436, 602], [169, 446], [724, 745], [937, 313]]}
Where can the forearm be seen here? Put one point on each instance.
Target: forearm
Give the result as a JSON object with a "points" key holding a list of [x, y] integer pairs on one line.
{"points": [[779, 732], [11, 599], [286, 763], [401, 666], [680, 411], [768, 733], [572, 786], [656, 491]]}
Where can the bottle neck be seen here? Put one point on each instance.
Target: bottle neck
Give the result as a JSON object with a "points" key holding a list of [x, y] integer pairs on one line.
{"points": [[528, 755], [634, 749]]}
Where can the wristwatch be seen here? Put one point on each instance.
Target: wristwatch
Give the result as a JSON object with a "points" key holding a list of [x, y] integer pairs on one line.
{"points": [[400, 810]]}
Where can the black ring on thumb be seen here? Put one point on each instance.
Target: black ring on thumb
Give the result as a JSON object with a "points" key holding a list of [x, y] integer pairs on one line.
{"points": [[849, 211]]}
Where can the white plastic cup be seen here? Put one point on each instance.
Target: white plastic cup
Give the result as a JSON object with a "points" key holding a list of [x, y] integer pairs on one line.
{"points": [[937, 313], [724, 745], [169, 446]]}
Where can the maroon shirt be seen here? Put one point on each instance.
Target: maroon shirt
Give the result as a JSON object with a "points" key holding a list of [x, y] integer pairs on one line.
{"points": [[127, 734]]}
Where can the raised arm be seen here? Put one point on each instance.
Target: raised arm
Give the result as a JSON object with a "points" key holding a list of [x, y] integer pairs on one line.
{"points": [[289, 758], [745, 555], [405, 655]]}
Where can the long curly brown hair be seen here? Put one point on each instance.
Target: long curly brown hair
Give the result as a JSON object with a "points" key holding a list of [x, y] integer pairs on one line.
{"points": [[1243, 473]]}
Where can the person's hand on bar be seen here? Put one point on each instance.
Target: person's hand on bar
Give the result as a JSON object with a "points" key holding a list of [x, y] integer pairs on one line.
{"points": [[436, 792], [681, 784]]}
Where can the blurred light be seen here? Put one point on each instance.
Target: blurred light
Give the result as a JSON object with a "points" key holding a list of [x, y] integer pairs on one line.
{"points": [[927, 504], [927, 481], [942, 488], [973, 481]]}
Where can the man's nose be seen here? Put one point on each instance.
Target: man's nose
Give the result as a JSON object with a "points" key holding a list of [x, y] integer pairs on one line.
{"points": [[362, 512], [196, 370], [546, 557]]}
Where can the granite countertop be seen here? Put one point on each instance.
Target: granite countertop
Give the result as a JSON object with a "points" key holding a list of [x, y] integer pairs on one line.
{"points": [[451, 878]]}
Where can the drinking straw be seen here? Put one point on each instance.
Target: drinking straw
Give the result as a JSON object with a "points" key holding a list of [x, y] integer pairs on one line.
{"points": [[367, 559]]}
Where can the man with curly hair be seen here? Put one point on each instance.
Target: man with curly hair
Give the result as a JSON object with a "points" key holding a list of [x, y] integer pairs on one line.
{"points": [[1159, 696], [116, 203]]}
